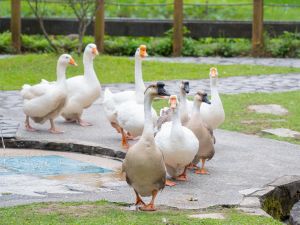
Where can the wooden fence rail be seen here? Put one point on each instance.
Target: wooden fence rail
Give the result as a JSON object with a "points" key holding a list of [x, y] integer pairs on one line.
{"points": [[153, 28]]}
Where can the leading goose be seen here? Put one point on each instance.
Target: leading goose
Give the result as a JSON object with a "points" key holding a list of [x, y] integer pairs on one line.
{"points": [[143, 164], [83, 89]]}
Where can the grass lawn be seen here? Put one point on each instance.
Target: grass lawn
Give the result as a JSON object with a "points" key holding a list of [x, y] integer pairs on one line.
{"points": [[31, 68], [238, 118], [102, 212]]}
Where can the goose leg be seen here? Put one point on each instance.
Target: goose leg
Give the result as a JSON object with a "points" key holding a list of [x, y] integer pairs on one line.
{"points": [[138, 199], [124, 139], [53, 130], [192, 166], [83, 123], [170, 183], [129, 136], [116, 126], [202, 171], [183, 176], [150, 206], [27, 125]]}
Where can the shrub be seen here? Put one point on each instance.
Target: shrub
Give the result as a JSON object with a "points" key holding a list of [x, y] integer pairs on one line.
{"points": [[285, 45]]}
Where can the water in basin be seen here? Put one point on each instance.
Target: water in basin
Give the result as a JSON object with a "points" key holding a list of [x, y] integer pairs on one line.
{"points": [[50, 165]]}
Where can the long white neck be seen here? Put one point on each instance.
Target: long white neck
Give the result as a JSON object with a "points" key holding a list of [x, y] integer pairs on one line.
{"points": [[176, 123], [88, 67], [215, 98], [148, 123], [61, 72], [213, 83], [138, 77]]}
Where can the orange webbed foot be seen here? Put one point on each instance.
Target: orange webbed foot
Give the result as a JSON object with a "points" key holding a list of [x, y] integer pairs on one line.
{"points": [[182, 177], [202, 171], [170, 183], [192, 166], [149, 207]]}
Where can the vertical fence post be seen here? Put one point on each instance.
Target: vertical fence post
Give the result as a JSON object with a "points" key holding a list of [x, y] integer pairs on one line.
{"points": [[178, 27], [15, 25], [99, 25], [257, 27]]}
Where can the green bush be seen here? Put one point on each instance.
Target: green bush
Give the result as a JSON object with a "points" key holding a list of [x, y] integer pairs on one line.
{"points": [[285, 45]]}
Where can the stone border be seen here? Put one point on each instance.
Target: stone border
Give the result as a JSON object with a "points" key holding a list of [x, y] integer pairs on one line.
{"points": [[65, 147], [275, 199], [295, 214]]}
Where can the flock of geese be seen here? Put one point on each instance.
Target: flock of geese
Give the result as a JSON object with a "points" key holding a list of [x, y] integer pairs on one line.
{"points": [[178, 139]]}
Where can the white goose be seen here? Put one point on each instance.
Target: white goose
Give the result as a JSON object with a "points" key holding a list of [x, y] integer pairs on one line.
{"points": [[178, 144], [166, 113], [131, 118], [83, 89], [112, 100], [45, 101], [213, 115]]}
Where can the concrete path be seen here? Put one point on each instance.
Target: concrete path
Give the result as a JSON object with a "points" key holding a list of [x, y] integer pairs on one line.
{"points": [[232, 60], [249, 162], [241, 162]]}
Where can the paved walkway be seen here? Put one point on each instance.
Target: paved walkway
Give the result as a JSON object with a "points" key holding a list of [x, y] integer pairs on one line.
{"points": [[249, 162], [232, 60]]}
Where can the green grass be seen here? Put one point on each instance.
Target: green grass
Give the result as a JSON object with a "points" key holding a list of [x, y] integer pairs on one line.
{"points": [[102, 212], [239, 118], [16, 71], [162, 12]]}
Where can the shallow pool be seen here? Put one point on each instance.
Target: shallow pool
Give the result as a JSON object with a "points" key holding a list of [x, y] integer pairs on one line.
{"points": [[49, 165]]}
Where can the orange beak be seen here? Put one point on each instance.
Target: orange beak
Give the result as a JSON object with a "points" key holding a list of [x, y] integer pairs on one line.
{"points": [[95, 51], [72, 62], [143, 51], [213, 72], [173, 101]]}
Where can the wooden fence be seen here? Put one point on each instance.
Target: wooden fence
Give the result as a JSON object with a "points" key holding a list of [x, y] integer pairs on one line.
{"points": [[178, 22]]}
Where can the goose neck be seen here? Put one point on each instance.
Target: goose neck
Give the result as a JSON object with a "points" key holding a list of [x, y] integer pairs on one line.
{"points": [[88, 66], [196, 107], [138, 77], [213, 83], [176, 122], [148, 123], [61, 72]]}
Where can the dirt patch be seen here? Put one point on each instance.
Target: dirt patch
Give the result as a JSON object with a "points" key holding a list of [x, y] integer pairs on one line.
{"points": [[73, 210]]}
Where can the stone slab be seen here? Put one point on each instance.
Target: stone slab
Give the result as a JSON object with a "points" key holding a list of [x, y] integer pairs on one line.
{"points": [[282, 132], [269, 109], [295, 214]]}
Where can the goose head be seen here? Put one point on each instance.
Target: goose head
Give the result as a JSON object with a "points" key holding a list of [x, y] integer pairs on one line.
{"points": [[66, 59], [213, 72], [173, 102], [91, 51], [201, 97], [185, 87], [141, 52], [156, 90]]}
